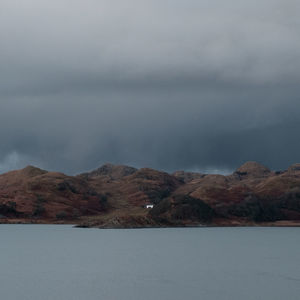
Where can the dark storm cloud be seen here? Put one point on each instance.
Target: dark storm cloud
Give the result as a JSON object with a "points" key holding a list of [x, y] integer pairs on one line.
{"points": [[196, 85]]}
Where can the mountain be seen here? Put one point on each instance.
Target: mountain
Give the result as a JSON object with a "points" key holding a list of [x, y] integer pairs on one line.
{"points": [[111, 171], [115, 196], [32, 193], [253, 169]]}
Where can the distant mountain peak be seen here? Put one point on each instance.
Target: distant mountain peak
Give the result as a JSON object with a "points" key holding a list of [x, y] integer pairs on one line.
{"points": [[253, 168], [113, 171], [33, 171]]}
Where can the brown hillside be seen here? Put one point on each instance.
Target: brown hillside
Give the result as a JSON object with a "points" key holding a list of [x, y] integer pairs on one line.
{"points": [[117, 195], [32, 192]]}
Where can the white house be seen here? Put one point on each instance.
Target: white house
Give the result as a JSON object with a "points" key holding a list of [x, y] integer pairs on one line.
{"points": [[149, 206]]}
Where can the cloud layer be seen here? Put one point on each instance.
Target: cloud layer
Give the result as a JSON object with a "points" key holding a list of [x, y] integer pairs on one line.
{"points": [[195, 85]]}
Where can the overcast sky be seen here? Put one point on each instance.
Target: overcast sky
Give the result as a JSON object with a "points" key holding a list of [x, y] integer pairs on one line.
{"points": [[175, 84]]}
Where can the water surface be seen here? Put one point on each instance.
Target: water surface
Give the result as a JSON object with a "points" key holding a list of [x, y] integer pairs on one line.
{"points": [[61, 262]]}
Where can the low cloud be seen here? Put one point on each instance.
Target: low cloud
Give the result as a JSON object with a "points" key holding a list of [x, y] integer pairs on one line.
{"points": [[10, 162]]}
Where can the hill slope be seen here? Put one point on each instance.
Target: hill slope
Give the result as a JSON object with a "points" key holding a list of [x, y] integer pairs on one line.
{"points": [[116, 196]]}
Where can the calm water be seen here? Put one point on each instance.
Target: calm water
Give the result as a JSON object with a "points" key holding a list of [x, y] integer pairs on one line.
{"points": [[61, 262]]}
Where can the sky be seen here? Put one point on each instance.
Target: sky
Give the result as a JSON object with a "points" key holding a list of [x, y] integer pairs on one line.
{"points": [[195, 85]]}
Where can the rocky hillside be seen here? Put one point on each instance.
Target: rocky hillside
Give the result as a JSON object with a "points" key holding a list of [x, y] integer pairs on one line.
{"points": [[116, 196], [32, 193]]}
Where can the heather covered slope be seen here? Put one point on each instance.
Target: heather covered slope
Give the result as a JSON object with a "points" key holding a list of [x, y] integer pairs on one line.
{"points": [[32, 193], [115, 196], [252, 193]]}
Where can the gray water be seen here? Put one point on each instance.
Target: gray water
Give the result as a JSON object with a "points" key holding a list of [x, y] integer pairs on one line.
{"points": [[61, 262]]}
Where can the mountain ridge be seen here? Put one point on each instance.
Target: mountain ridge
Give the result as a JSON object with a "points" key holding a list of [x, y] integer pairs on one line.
{"points": [[115, 196]]}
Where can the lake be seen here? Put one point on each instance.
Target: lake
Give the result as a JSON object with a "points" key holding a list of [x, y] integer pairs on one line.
{"points": [[62, 262]]}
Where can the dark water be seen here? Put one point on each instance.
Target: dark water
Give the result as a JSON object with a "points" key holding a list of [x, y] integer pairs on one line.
{"points": [[61, 262]]}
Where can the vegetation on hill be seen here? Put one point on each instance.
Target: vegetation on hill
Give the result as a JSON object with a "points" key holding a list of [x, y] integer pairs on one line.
{"points": [[116, 196]]}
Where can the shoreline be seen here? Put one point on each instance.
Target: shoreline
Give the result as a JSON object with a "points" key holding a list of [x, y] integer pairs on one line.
{"points": [[283, 223]]}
